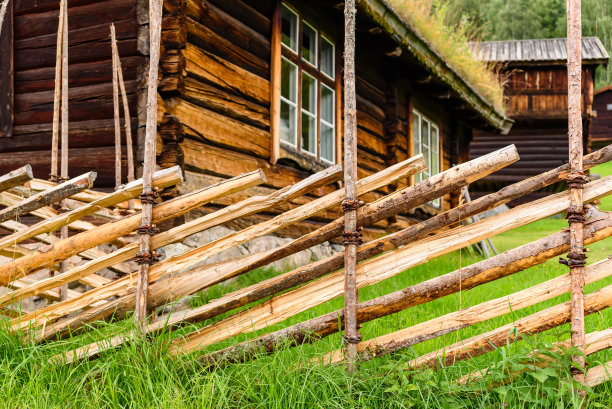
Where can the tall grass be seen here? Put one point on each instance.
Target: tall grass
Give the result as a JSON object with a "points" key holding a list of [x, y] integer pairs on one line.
{"points": [[429, 19]]}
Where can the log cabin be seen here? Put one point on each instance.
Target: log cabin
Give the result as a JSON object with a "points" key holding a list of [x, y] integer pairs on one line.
{"points": [[535, 75], [242, 85], [601, 129]]}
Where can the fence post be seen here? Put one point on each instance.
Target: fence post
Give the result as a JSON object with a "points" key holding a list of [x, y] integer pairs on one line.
{"points": [[576, 179], [352, 236]]}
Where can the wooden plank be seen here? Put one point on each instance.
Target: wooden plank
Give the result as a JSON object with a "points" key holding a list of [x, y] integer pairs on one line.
{"points": [[275, 83]]}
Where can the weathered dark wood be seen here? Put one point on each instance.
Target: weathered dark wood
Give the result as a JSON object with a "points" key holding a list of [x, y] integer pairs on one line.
{"points": [[16, 177], [469, 277], [6, 69], [48, 197]]}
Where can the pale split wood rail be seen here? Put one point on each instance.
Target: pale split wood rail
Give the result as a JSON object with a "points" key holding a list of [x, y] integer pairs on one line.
{"points": [[287, 294]]}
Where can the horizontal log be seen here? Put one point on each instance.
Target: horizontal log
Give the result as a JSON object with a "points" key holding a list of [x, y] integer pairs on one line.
{"points": [[173, 208], [373, 271], [16, 177], [220, 129], [226, 163], [45, 23], [230, 77], [233, 29], [204, 37], [215, 99], [244, 12], [536, 323], [248, 206], [454, 321], [48, 197], [598, 374], [161, 179]]}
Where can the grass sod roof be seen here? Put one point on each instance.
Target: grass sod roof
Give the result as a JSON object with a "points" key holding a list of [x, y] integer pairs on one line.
{"points": [[444, 53]]}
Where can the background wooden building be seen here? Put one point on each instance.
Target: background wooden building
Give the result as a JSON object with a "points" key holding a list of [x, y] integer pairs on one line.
{"points": [[536, 91], [601, 128], [243, 85]]}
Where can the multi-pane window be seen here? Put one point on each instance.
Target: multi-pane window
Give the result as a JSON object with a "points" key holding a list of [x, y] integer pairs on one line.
{"points": [[426, 140], [308, 96]]}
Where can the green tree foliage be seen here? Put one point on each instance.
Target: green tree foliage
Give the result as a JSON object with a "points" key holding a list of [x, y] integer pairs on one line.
{"points": [[526, 19]]}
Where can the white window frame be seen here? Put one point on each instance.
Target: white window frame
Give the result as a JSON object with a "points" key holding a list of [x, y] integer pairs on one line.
{"points": [[316, 45], [312, 115], [418, 148], [297, 39], [331, 125], [333, 76], [293, 104]]}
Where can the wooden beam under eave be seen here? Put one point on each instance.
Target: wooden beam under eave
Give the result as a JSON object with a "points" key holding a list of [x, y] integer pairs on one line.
{"points": [[275, 84]]}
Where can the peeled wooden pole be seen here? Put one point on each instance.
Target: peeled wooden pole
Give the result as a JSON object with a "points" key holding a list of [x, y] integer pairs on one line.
{"points": [[110, 231], [350, 203], [146, 257], [64, 147], [454, 321], [372, 182], [483, 272], [576, 179], [116, 118], [126, 116], [16, 177], [57, 94], [161, 179], [375, 270], [246, 207], [48, 197], [533, 324]]}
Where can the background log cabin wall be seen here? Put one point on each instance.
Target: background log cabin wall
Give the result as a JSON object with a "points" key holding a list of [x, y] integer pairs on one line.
{"points": [[216, 102], [601, 129], [537, 101], [90, 81]]}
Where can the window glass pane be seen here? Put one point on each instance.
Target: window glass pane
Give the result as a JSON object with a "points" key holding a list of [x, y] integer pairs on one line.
{"points": [[327, 143], [309, 93], [425, 144], [309, 44], [327, 58], [309, 133], [288, 81], [416, 133], [288, 122], [327, 104], [289, 28]]}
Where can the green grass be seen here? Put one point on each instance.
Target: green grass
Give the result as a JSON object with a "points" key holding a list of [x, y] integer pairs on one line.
{"points": [[145, 377]]}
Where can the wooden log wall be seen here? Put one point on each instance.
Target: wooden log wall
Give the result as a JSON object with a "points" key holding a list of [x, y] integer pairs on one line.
{"points": [[90, 82], [215, 86], [601, 131], [537, 101]]}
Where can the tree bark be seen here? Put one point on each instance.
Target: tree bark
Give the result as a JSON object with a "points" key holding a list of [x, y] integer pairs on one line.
{"points": [[496, 267], [576, 257], [16, 177], [48, 197]]}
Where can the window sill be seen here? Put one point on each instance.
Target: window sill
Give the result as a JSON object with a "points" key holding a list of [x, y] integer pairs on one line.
{"points": [[303, 161]]}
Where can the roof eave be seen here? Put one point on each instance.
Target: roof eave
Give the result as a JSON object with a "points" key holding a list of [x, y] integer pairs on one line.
{"points": [[408, 39]]}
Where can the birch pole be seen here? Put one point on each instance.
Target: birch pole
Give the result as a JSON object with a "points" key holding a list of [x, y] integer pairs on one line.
{"points": [[352, 236], [116, 110], [127, 119], [64, 147], [146, 257], [53, 176], [576, 179]]}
